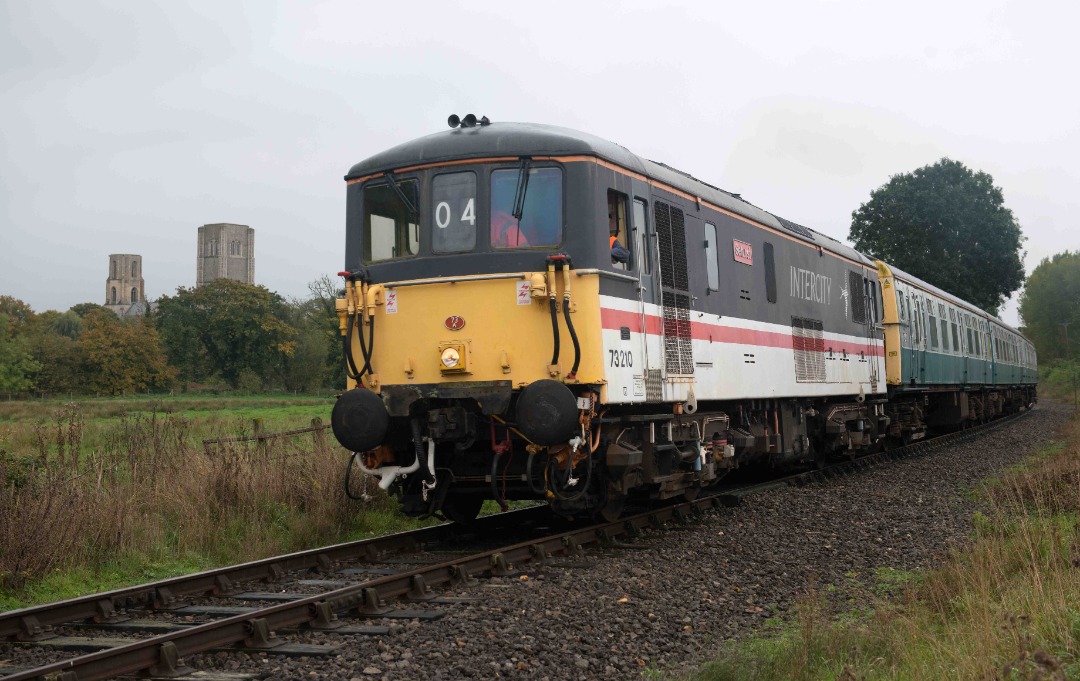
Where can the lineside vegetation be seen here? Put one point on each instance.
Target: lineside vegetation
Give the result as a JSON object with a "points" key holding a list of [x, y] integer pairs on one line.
{"points": [[1002, 607], [113, 492]]}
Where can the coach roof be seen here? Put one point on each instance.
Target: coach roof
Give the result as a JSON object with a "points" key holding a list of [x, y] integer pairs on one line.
{"points": [[533, 139]]}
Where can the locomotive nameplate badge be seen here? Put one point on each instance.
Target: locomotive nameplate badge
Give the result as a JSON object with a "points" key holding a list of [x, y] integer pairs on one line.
{"points": [[523, 295], [743, 252], [391, 302], [454, 323]]}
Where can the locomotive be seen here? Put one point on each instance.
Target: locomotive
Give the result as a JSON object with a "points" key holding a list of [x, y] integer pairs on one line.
{"points": [[532, 312]]}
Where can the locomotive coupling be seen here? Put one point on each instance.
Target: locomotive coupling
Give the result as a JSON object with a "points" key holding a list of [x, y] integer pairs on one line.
{"points": [[360, 420]]}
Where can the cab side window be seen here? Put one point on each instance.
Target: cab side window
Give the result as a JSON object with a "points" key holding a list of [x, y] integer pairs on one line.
{"points": [[618, 230]]}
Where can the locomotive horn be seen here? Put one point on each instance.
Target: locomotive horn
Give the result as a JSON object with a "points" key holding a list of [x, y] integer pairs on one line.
{"points": [[453, 121], [469, 121]]}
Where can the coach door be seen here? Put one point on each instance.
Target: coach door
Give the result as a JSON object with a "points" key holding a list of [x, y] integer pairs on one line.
{"points": [[672, 284], [643, 250], [869, 317]]}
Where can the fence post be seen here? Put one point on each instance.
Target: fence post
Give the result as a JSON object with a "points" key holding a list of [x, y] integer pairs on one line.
{"points": [[318, 435], [262, 443]]}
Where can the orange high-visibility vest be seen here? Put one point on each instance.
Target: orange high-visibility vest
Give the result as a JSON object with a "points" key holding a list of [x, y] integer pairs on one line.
{"points": [[611, 243]]}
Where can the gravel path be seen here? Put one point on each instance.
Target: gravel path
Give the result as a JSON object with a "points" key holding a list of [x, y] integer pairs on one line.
{"points": [[669, 604]]}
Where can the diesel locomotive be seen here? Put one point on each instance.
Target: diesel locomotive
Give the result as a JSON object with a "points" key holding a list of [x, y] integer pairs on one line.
{"points": [[532, 312]]}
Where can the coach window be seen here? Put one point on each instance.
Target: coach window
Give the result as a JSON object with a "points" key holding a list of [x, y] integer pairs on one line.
{"points": [[920, 323], [617, 226], [538, 198], [640, 237], [391, 228], [711, 265], [453, 212], [932, 327]]}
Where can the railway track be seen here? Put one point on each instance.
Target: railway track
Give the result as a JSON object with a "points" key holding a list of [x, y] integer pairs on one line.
{"points": [[252, 629]]}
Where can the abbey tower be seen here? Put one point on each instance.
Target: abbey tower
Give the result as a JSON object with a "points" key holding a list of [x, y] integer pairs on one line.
{"points": [[124, 288], [225, 251]]}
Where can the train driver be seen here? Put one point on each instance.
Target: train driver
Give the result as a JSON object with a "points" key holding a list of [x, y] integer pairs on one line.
{"points": [[619, 254]]}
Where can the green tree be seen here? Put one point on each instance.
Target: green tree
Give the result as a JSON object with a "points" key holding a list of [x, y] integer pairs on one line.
{"points": [[223, 328], [17, 365], [123, 356], [317, 360], [83, 309], [53, 338], [1050, 307], [948, 226]]}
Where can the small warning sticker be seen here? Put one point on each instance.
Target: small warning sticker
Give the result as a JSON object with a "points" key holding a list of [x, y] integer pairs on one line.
{"points": [[523, 293], [391, 302]]}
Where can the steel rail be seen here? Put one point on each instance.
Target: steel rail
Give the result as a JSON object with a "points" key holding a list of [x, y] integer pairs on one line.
{"points": [[34, 622], [367, 597]]}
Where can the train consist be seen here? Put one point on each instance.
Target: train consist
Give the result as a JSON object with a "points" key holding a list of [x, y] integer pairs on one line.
{"points": [[532, 312]]}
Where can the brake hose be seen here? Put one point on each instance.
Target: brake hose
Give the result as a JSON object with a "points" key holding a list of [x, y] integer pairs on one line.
{"points": [[554, 312], [570, 324]]}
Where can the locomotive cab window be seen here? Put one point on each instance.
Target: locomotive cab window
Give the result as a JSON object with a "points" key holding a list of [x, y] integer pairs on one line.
{"points": [[391, 228], [453, 212], [617, 238], [526, 207]]}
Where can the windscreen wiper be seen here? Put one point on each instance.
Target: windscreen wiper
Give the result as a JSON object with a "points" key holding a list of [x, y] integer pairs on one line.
{"points": [[413, 212], [522, 187]]}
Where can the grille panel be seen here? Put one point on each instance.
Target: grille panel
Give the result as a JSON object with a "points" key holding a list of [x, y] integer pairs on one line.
{"points": [[674, 284], [808, 341], [678, 348]]}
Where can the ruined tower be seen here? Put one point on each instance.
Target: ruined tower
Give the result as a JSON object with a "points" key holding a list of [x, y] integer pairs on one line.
{"points": [[124, 291], [225, 251]]}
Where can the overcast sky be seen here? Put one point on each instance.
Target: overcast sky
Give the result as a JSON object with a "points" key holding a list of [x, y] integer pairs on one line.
{"points": [[124, 126]]}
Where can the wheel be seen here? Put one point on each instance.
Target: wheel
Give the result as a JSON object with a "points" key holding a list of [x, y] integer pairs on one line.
{"points": [[613, 507], [462, 509], [691, 493]]}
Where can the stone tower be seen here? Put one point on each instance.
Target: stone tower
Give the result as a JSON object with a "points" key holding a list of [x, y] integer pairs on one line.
{"points": [[124, 291], [225, 251]]}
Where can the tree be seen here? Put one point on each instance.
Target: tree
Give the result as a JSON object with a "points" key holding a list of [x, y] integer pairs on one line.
{"points": [[1050, 306], [17, 365], [123, 356], [948, 226], [223, 328], [53, 337], [317, 361]]}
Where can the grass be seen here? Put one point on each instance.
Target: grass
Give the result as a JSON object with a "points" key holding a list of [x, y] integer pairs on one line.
{"points": [[104, 493], [1005, 606]]}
